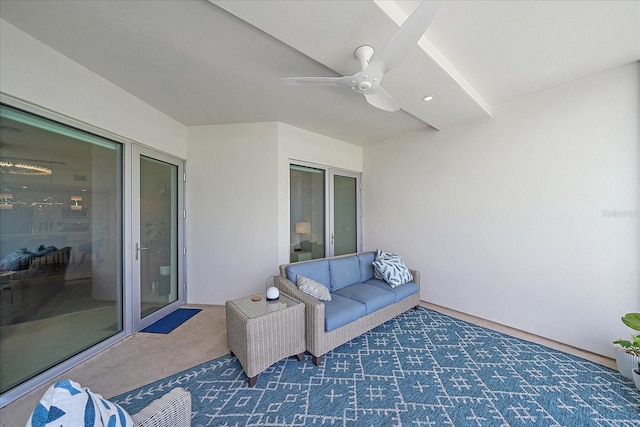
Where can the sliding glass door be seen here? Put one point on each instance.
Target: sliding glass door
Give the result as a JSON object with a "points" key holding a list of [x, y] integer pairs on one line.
{"points": [[157, 222], [61, 228], [91, 242], [307, 214], [324, 212]]}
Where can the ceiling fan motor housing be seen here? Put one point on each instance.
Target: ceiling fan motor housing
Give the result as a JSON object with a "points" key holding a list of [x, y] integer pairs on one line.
{"points": [[364, 85]]}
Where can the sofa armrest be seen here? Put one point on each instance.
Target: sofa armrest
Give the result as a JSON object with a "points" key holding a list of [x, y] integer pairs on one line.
{"points": [[416, 276], [290, 289], [314, 310], [171, 410]]}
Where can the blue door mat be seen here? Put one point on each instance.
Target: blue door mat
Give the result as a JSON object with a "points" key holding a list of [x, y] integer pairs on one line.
{"points": [[171, 321]]}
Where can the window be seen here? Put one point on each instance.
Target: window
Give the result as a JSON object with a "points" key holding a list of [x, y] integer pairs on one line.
{"points": [[307, 215], [324, 212]]}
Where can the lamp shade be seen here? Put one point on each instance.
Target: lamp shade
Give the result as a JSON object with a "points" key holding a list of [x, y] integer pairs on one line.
{"points": [[303, 227], [273, 293], [77, 206]]}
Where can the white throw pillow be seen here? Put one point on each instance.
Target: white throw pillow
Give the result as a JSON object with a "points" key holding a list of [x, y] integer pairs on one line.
{"points": [[66, 403], [392, 270], [313, 288]]}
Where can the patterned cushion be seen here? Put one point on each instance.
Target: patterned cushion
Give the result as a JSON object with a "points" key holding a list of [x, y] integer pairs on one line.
{"points": [[313, 288], [393, 271], [381, 255], [17, 260], [66, 403]]}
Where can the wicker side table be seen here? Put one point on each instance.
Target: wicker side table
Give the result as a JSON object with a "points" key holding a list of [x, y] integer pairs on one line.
{"points": [[260, 333]]}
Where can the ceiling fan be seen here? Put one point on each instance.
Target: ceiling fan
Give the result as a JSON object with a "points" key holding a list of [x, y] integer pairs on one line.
{"points": [[373, 67]]}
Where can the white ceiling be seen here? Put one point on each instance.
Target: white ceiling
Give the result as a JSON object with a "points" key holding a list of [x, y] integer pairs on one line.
{"points": [[204, 63]]}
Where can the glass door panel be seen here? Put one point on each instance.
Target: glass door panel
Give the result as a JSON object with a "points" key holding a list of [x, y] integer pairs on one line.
{"points": [[307, 213], [61, 275], [157, 235], [345, 215], [158, 245]]}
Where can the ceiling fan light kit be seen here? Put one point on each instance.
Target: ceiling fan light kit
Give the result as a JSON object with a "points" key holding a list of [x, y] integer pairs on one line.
{"points": [[373, 66]]}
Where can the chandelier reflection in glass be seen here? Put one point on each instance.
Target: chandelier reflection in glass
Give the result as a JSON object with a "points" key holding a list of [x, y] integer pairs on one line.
{"points": [[23, 168]]}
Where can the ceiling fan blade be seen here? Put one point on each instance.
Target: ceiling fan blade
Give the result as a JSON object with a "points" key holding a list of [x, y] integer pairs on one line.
{"points": [[320, 81], [380, 98], [405, 37]]}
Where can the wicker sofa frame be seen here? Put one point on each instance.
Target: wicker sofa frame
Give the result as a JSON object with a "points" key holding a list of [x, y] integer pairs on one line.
{"points": [[320, 341]]}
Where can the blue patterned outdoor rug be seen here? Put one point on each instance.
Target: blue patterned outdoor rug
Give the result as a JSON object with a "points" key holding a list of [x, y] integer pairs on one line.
{"points": [[421, 369]]}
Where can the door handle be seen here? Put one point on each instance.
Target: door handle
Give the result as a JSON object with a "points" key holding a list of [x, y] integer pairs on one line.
{"points": [[138, 249]]}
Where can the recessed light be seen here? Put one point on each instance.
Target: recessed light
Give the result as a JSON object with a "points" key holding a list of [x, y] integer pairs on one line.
{"points": [[428, 98]]}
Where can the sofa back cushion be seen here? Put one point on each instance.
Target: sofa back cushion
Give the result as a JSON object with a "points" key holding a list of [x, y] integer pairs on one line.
{"points": [[317, 270], [344, 272], [366, 267]]}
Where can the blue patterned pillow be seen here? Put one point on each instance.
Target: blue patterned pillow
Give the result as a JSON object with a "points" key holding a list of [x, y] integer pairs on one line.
{"points": [[313, 288], [381, 255], [66, 403], [392, 270]]}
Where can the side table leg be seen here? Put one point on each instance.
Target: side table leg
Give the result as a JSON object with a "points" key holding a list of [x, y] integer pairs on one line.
{"points": [[300, 357], [253, 381]]}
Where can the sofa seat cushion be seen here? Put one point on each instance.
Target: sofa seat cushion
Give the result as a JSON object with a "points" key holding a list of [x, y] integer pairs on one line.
{"points": [[400, 292], [340, 311], [374, 298], [344, 272], [317, 270]]}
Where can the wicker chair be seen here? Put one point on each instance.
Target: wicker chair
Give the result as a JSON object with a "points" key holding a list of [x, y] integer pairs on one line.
{"points": [[171, 410], [68, 403]]}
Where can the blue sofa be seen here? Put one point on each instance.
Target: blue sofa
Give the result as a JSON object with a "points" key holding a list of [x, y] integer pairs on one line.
{"points": [[359, 302]]}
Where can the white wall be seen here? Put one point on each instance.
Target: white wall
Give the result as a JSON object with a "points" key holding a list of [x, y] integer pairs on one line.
{"points": [[238, 202], [232, 210], [511, 219], [39, 75]]}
